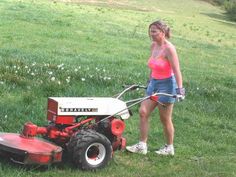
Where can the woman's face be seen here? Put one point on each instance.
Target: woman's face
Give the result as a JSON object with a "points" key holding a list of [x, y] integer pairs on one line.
{"points": [[156, 34]]}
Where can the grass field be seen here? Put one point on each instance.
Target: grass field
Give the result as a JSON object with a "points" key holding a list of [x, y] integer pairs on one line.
{"points": [[92, 48]]}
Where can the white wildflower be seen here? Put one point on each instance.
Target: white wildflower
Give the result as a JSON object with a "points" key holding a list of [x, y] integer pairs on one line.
{"points": [[60, 66], [53, 78], [76, 69], [34, 63], [32, 74], [50, 72], [83, 79], [5, 116], [1, 82], [59, 82], [104, 70], [68, 80], [26, 67], [14, 66]]}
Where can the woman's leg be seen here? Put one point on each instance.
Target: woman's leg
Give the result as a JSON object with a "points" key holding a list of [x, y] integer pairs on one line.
{"points": [[166, 119], [145, 110]]}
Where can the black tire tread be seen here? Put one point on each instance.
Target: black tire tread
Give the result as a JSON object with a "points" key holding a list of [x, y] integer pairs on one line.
{"points": [[84, 138]]}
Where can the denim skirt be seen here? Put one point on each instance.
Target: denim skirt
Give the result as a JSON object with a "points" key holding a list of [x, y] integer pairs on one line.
{"points": [[163, 86]]}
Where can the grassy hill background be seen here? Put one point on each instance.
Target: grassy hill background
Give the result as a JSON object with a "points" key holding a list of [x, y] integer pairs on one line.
{"points": [[92, 48]]}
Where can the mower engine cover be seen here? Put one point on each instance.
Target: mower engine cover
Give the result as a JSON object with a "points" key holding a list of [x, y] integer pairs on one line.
{"points": [[62, 110]]}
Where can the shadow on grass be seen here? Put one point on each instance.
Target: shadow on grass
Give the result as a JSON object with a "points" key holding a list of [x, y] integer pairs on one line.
{"points": [[222, 18]]}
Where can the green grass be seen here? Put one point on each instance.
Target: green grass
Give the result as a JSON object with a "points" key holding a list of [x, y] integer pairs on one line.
{"points": [[52, 48]]}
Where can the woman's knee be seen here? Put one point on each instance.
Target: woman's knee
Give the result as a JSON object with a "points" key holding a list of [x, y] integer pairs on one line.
{"points": [[166, 121], [146, 108], [166, 114], [143, 113]]}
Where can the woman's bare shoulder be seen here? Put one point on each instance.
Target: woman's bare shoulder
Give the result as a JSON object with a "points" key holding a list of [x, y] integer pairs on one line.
{"points": [[169, 45], [170, 48]]}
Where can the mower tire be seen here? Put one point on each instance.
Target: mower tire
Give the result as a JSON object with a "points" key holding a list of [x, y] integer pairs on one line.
{"points": [[92, 150], [73, 141]]}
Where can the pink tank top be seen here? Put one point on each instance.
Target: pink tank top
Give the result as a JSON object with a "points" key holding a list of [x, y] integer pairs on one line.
{"points": [[160, 67]]}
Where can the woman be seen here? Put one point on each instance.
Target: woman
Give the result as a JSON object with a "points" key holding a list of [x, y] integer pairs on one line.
{"points": [[165, 77]]}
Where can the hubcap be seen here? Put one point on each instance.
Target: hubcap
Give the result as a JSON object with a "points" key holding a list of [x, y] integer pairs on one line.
{"points": [[95, 153]]}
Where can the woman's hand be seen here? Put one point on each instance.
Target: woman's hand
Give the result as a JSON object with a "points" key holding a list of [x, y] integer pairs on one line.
{"points": [[181, 91]]}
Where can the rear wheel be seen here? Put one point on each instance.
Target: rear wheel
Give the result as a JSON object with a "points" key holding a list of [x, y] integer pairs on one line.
{"points": [[73, 141], [92, 150]]}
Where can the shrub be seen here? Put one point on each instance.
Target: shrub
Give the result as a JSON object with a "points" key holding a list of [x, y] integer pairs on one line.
{"points": [[219, 2], [230, 7], [216, 2]]}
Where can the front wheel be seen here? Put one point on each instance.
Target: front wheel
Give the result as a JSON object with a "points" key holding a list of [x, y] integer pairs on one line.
{"points": [[92, 150]]}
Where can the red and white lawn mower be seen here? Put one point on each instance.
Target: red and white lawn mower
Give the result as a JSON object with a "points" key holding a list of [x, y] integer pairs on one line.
{"points": [[89, 129]]}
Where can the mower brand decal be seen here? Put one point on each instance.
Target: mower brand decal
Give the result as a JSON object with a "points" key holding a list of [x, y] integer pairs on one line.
{"points": [[79, 109]]}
